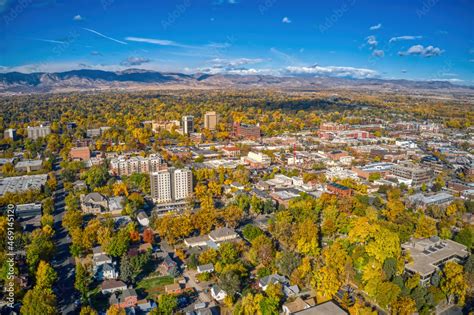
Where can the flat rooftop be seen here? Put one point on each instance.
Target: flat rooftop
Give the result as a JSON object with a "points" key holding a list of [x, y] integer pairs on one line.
{"points": [[22, 183], [429, 253]]}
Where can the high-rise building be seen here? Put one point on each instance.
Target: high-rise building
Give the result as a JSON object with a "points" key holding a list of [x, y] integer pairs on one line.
{"points": [[38, 132], [182, 184], [161, 186], [210, 120], [171, 185], [188, 124], [10, 133]]}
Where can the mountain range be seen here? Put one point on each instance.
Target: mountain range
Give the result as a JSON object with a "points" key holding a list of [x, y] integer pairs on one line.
{"points": [[138, 79]]}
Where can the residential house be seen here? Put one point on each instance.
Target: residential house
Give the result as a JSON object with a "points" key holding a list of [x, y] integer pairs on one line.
{"points": [[297, 305], [111, 286], [168, 267], [93, 203], [217, 293], [126, 298], [174, 288], [264, 282], [106, 271], [207, 268], [223, 234], [146, 306]]}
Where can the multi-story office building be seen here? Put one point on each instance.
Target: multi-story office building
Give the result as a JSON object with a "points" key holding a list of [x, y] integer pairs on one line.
{"points": [[38, 132], [10, 134], [188, 124], [169, 125], [246, 131], [410, 171], [210, 120], [171, 185], [137, 164]]}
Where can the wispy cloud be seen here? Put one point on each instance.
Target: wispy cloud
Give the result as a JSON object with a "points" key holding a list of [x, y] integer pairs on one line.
{"points": [[333, 71], [104, 36], [219, 2], [405, 37], [420, 50], [134, 61], [378, 53], [372, 41], [375, 27], [52, 41], [235, 62], [286, 20], [154, 41], [78, 18]]}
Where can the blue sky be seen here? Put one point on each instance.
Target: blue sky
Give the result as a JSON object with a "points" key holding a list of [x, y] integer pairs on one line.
{"points": [[423, 40]]}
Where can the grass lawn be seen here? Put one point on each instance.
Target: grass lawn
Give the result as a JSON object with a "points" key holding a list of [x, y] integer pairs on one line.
{"points": [[154, 286]]}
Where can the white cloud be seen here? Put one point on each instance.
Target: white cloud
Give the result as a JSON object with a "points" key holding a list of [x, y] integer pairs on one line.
{"points": [[286, 20], [161, 42], [378, 53], [78, 18], [372, 41], [405, 37], [134, 61], [52, 41], [104, 36], [333, 71], [235, 62], [375, 27], [420, 50]]}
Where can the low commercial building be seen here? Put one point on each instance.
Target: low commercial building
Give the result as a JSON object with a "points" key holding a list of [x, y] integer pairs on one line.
{"points": [[231, 151], [339, 189], [19, 184], [80, 153], [29, 165], [441, 199], [430, 254], [28, 210], [257, 160], [365, 171]]}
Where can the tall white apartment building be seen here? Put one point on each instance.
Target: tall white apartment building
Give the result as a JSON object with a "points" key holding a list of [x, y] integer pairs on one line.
{"points": [[161, 186], [171, 185], [183, 184]]}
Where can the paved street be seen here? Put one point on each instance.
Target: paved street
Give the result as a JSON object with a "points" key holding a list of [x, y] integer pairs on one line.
{"points": [[64, 264]]}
